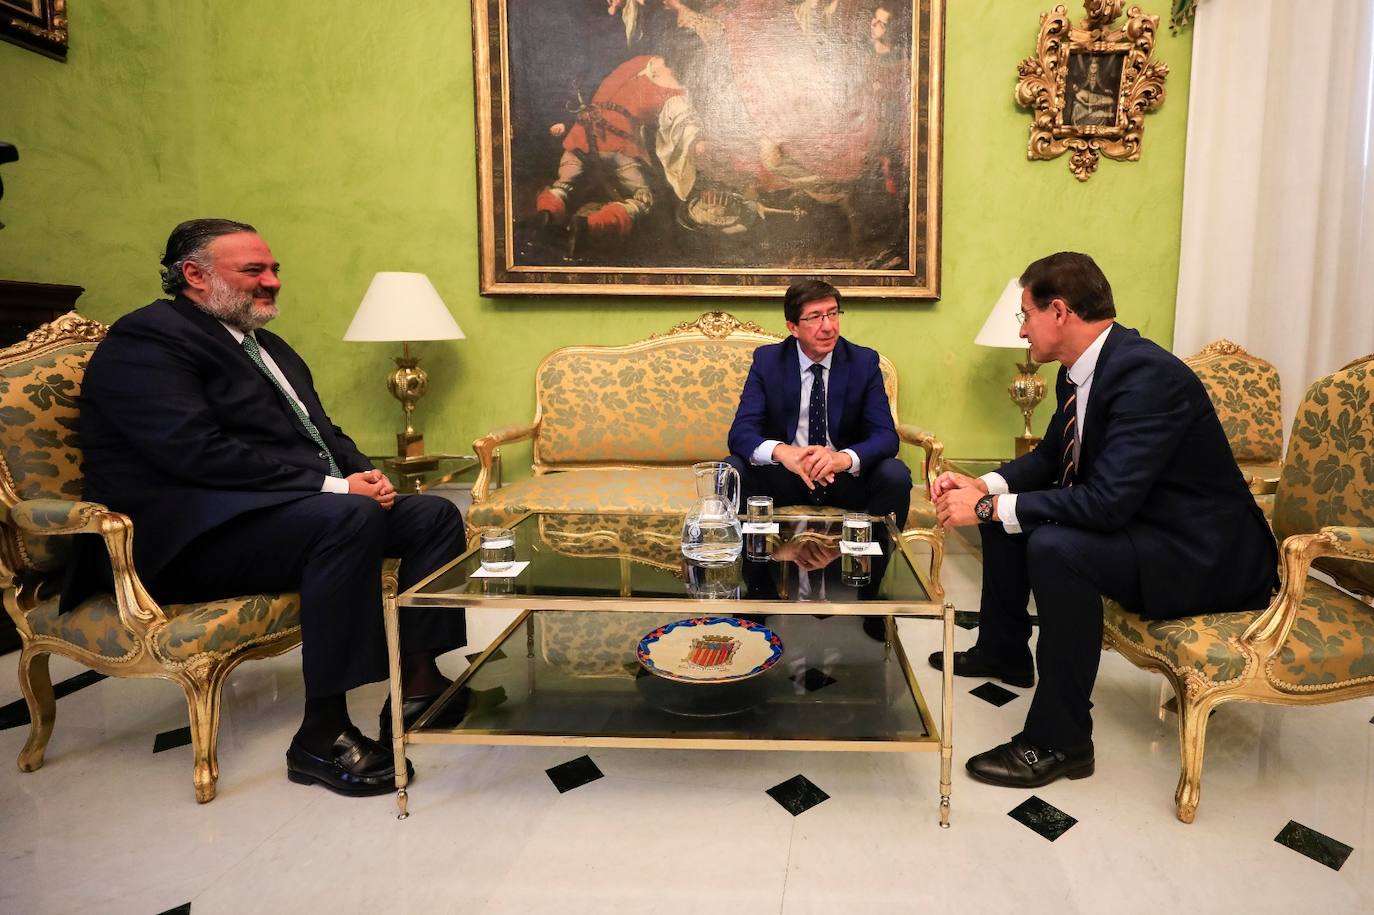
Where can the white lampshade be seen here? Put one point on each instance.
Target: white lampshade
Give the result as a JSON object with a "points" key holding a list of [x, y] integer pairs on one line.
{"points": [[402, 307], [1003, 326]]}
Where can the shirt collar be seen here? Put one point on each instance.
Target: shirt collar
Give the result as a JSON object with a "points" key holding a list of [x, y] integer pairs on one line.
{"points": [[1083, 369], [238, 334], [807, 363]]}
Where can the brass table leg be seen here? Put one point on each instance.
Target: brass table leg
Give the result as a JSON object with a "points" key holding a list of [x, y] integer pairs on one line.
{"points": [[947, 714], [392, 623]]}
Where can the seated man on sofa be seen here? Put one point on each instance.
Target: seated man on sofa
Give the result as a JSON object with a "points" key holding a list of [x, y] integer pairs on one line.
{"points": [[813, 425]]}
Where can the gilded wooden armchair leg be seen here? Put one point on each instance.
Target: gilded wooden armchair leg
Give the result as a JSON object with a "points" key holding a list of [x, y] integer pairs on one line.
{"points": [[1192, 736], [202, 702], [36, 684], [937, 559]]}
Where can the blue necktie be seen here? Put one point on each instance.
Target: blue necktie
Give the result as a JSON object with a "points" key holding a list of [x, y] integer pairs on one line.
{"points": [[815, 432], [250, 346]]}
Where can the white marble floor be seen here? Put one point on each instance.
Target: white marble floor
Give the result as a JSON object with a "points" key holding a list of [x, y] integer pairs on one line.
{"points": [[110, 826]]}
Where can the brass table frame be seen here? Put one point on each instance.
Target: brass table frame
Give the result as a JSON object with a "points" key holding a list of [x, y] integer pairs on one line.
{"points": [[527, 604]]}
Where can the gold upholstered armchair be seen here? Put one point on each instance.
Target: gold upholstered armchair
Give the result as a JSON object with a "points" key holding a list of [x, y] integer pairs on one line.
{"points": [[1245, 391], [124, 633], [1314, 643]]}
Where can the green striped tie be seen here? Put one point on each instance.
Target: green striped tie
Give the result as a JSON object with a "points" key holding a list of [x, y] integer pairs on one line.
{"points": [[250, 345]]}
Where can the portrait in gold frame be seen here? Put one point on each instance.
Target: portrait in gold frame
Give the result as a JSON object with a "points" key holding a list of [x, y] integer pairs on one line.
{"points": [[855, 85]]}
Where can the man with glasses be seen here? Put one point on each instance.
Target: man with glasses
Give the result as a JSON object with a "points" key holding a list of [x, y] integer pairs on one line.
{"points": [[813, 425], [1133, 494]]}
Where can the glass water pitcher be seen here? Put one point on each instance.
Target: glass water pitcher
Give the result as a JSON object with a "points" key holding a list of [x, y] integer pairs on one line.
{"points": [[711, 532]]}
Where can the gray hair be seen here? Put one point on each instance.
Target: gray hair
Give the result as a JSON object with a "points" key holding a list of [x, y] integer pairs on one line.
{"points": [[188, 242]]}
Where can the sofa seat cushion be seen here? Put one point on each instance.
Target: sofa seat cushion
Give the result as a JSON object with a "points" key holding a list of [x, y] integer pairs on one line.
{"points": [[665, 490], [635, 491], [1203, 643], [218, 626]]}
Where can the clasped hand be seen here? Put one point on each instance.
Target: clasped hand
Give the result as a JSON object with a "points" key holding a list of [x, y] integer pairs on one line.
{"points": [[814, 463], [373, 484], [955, 495]]}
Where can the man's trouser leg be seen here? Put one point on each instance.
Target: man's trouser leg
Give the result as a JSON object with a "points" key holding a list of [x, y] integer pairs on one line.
{"points": [[883, 489], [330, 548], [1070, 570]]}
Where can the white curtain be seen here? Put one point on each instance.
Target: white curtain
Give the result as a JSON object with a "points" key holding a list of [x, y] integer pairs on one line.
{"points": [[1278, 197]]}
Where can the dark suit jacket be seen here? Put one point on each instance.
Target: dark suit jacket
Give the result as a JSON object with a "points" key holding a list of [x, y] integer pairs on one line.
{"points": [[181, 431], [857, 411], [1154, 463]]}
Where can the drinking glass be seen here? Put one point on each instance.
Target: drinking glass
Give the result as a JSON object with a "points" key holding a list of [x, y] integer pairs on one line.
{"points": [[759, 511], [856, 570], [498, 549]]}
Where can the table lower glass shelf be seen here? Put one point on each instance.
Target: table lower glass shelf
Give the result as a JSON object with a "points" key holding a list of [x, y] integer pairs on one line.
{"points": [[572, 677]]}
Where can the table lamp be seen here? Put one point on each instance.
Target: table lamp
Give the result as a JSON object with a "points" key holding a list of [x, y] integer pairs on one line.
{"points": [[403, 308], [1003, 329]]}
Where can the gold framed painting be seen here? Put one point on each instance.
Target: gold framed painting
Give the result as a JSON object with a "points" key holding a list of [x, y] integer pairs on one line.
{"points": [[708, 147], [40, 25], [1089, 88]]}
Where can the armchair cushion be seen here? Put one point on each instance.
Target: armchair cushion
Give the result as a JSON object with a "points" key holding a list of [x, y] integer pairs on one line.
{"points": [[1203, 643], [94, 626], [1332, 640]]}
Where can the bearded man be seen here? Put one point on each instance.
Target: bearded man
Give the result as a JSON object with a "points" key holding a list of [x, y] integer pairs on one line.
{"points": [[208, 432]]}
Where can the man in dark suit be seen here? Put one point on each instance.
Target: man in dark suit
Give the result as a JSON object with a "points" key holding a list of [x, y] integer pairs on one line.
{"points": [[813, 424], [1133, 494], [207, 431]]}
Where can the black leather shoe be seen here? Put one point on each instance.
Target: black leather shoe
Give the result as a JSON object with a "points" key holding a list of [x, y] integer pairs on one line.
{"points": [[1018, 764], [975, 663], [357, 766], [411, 709]]}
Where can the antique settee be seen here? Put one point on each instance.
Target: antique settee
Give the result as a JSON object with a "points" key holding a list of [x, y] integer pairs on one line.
{"points": [[616, 429], [1314, 643]]}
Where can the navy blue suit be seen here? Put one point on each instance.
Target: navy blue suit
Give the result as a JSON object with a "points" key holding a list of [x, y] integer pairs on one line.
{"points": [[1159, 518], [858, 417], [181, 431]]}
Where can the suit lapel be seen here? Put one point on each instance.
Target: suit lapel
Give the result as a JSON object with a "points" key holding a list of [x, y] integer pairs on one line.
{"points": [[791, 387], [835, 391], [1093, 418]]}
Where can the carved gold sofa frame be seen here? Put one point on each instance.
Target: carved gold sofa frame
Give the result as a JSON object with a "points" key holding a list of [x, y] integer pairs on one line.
{"points": [[617, 427], [1314, 643], [121, 634]]}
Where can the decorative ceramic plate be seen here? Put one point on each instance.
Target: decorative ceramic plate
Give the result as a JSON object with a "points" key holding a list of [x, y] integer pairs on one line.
{"points": [[710, 649]]}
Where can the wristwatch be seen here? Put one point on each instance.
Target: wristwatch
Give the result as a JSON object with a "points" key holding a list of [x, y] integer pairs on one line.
{"points": [[983, 508]]}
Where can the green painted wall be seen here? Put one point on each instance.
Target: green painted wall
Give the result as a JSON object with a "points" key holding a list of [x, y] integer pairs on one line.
{"points": [[347, 139]]}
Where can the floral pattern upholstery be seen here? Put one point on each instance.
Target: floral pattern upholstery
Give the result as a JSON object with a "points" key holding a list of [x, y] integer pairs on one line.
{"points": [[94, 625], [38, 450], [1332, 641], [1245, 392], [1328, 477], [595, 644]]}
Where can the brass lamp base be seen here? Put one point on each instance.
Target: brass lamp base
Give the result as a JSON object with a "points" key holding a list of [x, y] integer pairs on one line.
{"points": [[1027, 389], [408, 384]]}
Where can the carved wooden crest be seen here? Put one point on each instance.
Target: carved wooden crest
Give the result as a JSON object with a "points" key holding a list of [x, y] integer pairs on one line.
{"points": [[1089, 88]]}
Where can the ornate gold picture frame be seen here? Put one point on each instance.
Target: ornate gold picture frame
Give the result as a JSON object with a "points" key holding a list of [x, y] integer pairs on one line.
{"points": [[1089, 88], [40, 25], [708, 147]]}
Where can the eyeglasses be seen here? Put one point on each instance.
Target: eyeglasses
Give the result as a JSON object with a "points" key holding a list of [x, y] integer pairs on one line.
{"points": [[1022, 317], [832, 315]]}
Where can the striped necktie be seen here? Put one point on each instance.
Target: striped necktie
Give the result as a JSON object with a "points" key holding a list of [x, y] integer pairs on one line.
{"points": [[250, 346], [1070, 436]]}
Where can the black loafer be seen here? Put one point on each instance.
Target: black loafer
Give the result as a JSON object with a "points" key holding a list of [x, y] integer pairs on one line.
{"points": [[411, 709], [976, 663], [1018, 764], [357, 766]]}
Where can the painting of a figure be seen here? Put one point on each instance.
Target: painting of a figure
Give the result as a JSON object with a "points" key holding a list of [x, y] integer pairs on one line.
{"points": [[1091, 88], [709, 146]]}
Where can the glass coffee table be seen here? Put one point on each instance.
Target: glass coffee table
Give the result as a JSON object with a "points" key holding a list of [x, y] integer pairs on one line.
{"points": [[567, 670]]}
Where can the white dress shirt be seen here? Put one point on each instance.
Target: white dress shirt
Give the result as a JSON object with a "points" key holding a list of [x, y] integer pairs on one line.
{"points": [[331, 484], [763, 454], [1081, 374]]}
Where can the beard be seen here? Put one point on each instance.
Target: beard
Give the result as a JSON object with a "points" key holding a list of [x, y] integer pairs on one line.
{"points": [[236, 308]]}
